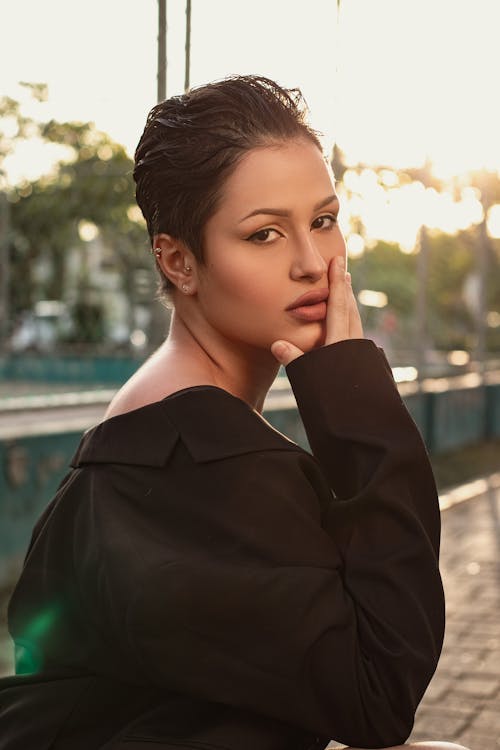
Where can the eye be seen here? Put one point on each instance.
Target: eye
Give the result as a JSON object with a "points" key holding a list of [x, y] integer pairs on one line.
{"points": [[264, 236], [326, 221]]}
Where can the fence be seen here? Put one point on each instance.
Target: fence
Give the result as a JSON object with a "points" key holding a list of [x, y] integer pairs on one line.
{"points": [[38, 441]]}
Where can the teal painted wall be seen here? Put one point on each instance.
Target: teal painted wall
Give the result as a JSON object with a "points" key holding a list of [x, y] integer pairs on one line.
{"points": [[68, 369], [32, 467]]}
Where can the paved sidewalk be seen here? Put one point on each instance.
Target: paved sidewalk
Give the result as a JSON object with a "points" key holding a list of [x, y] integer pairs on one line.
{"points": [[462, 703]]}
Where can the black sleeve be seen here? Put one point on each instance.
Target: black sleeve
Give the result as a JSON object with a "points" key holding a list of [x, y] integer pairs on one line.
{"points": [[386, 517], [321, 610]]}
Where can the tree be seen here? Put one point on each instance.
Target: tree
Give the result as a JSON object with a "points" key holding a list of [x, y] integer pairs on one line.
{"points": [[92, 183], [454, 260]]}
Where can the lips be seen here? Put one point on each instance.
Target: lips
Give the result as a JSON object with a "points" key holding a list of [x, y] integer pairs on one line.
{"points": [[311, 306], [313, 297]]}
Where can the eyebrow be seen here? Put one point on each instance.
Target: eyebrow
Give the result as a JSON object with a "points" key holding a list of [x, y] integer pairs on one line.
{"points": [[282, 212]]}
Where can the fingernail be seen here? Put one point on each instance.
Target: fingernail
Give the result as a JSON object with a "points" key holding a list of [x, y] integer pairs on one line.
{"points": [[340, 260], [348, 277]]}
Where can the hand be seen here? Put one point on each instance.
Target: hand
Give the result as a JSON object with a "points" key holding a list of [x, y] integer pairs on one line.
{"points": [[342, 315]]}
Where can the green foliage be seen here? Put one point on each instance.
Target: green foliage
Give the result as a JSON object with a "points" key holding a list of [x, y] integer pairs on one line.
{"points": [[39, 91], [89, 323], [92, 183], [385, 268], [451, 260], [488, 182], [338, 163]]}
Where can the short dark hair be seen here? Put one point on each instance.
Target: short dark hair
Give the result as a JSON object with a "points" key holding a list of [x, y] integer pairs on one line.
{"points": [[192, 143]]}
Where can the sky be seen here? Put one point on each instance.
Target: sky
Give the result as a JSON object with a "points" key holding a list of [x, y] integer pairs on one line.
{"points": [[392, 81]]}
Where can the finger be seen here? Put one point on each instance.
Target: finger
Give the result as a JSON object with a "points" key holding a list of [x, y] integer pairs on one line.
{"points": [[355, 324], [285, 352], [337, 320]]}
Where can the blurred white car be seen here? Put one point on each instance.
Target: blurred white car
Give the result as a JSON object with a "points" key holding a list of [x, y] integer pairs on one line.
{"points": [[42, 327]]}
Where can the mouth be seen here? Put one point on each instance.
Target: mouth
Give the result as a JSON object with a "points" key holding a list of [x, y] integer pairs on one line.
{"points": [[310, 306]]}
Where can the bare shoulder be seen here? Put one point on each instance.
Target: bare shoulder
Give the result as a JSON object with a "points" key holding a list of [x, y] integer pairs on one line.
{"points": [[128, 398], [156, 379]]}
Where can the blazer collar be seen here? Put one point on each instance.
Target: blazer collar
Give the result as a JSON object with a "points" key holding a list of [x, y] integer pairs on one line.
{"points": [[211, 422]]}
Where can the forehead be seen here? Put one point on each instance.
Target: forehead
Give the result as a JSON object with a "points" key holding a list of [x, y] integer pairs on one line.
{"points": [[278, 175]]}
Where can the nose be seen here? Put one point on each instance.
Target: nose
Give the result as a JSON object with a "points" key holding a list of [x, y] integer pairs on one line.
{"points": [[307, 261]]}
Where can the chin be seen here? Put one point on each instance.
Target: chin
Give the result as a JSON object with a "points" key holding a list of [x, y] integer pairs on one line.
{"points": [[310, 338]]}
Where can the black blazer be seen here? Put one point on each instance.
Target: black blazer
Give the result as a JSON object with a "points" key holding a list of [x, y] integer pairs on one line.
{"points": [[200, 581]]}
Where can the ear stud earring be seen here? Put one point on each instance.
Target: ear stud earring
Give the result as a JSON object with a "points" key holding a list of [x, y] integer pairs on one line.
{"points": [[156, 251], [185, 288], [187, 269]]}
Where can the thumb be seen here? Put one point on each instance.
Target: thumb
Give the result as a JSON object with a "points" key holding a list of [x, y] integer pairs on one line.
{"points": [[285, 352]]}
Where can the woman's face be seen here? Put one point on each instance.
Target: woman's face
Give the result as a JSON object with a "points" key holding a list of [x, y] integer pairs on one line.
{"points": [[271, 241]]}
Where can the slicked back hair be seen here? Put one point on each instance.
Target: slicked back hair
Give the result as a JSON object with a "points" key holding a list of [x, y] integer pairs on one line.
{"points": [[192, 143]]}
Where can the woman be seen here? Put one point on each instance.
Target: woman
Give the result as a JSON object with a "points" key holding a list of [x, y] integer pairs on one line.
{"points": [[200, 581]]}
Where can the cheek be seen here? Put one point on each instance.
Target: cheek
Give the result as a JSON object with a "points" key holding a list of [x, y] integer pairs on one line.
{"points": [[245, 280]]}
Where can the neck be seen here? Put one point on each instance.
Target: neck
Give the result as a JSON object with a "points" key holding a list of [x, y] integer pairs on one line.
{"points": [[246, 372]]}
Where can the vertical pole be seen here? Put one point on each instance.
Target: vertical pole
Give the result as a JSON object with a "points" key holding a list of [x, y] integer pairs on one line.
{"points": [[482, 311], [482, 268], [188, 45], [4, 271], [421, 307], [162, 51], [425, 403]]}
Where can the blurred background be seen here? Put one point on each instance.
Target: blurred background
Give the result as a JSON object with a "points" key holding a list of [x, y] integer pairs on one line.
{"points": [[404, 94]]}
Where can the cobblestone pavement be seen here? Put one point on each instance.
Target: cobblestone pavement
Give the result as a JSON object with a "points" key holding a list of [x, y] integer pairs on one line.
{"points": [[462, 703]]}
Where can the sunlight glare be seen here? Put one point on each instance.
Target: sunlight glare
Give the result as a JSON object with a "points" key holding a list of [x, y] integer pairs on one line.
{"points": [[450, 216], [404, 374], [389, 178], [355, 245], [396, 214], [134, 213], [350, 180], [87, 230], [33, 158], [458, 357], [8, 127], [386, 102], [105, 152], [372, 298], [493, 319], [493, 221]]}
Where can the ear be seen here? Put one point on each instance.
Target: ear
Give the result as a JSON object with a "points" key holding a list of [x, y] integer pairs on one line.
{"points": [[176, 261]]}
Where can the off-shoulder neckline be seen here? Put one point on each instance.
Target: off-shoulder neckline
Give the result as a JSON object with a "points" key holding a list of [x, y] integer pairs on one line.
{"points": [[107, 441], [173, 395]]}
